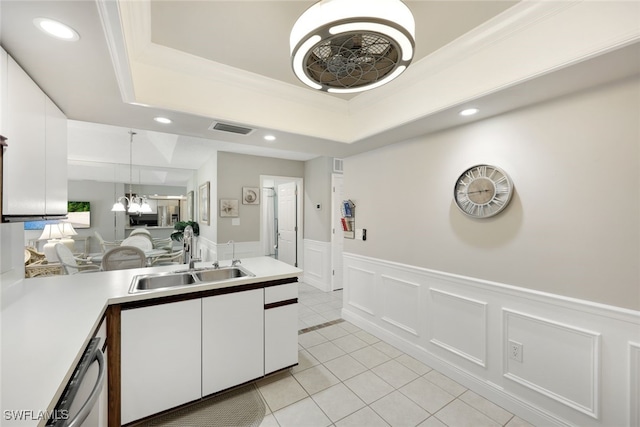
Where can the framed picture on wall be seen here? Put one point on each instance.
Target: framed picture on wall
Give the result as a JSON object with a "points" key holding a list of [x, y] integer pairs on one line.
{"points": [[190, 206], [203, 203], [250, 196], [228, 208]]}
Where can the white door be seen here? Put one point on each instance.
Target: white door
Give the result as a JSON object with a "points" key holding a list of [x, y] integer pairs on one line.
{"points": [[337, 235], [288, 223]]}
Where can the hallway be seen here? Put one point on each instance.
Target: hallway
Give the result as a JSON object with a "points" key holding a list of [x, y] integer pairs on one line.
{"points": [[348, 377]]}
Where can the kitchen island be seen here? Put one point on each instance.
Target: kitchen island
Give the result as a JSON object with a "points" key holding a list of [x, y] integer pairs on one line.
{"points": [[48, 322]]}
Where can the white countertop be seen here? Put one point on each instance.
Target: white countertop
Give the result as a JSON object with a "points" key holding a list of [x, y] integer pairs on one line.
{"points": [[47, 322]]}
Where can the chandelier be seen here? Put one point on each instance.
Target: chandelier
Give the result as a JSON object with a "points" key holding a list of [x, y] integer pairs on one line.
{"points": [[348, 46], [134, 204]]}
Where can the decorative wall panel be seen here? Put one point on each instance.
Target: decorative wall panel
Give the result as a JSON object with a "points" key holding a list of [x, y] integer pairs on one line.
{"points": [[634, 383], [400, 303], [580, 360], [459, 324], [558, 360], [317, 267], [360, 292]]}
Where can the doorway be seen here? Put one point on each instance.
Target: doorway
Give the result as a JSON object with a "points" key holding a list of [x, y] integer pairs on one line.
{"points": [[281, 230]]}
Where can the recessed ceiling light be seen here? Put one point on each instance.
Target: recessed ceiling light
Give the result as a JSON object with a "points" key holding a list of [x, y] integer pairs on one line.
{"points": [[469, 112], [162, 120], [56, 29], [269, 137]]}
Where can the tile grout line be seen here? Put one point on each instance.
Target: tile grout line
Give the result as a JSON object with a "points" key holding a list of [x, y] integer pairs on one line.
{"points": [[455, 397], [394, 389]]}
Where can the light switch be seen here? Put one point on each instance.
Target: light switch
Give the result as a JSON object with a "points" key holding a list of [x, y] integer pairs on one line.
{"points": [[235, 221]]}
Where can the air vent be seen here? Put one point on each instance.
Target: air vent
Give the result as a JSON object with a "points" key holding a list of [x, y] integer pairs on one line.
{"points": [[226, 127], [337, 165]]}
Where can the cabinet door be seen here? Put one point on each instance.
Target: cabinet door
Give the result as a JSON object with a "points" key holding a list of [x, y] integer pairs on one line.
{"points": [[161, 358], [55, 159], [280, 327], [4, 63], [280, 337], [232, 339], [24, 158]]}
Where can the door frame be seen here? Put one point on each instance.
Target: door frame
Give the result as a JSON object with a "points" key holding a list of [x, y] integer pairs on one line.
{"points": [[336, 280], [299, 212]]}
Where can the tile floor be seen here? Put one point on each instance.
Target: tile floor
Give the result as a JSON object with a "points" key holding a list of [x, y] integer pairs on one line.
{"points": [[316, 307], [348, 377]]}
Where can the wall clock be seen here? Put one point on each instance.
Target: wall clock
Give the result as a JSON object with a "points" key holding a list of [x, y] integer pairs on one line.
{"points": [[483, 191]]}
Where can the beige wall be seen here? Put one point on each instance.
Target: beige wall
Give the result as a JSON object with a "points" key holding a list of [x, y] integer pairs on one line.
{"points": [[572, 227], [317, 190], [208, 172], [236, 171]]}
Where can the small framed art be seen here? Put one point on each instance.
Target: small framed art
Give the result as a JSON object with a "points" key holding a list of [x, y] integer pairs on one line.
{"points": [[228, 208], [250, 196], [203, 203]]}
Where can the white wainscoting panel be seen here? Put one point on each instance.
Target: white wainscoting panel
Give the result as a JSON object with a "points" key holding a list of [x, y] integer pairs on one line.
{"points": [[634, 383], [459, 325], [317, 264], [360, 294], [242, 250], [206, 249], [559, 361], [400, 303], [581, 360]]}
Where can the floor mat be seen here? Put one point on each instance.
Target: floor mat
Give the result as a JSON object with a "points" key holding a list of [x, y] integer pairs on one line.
{"points": [[242, 407]]}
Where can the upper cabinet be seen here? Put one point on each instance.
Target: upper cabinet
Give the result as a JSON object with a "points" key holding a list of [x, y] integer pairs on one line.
{"points": [[4, 58], [35, 161]]}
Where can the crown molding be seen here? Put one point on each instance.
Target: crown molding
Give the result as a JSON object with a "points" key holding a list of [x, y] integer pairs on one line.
{"points": [[109, 12], [527, 41], [509, 49]]}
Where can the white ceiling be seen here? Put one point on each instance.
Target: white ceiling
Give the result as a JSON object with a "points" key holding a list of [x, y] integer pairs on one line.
{"points": [[202, 61]]}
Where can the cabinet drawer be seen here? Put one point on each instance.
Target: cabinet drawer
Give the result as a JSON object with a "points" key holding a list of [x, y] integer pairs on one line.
{"points": [[280, 293]]}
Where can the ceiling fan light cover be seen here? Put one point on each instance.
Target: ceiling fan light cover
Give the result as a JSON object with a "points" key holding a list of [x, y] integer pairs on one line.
{"points": [[346, 46]]}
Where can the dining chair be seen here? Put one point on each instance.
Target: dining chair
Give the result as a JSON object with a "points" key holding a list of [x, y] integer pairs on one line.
{"points": [[142, 231], [139, 241], [171, 258], [71, 264], [123, 258], [104, 244], [164, 243]]}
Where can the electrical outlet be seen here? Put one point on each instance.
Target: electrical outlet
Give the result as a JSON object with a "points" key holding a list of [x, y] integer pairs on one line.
{"points": [[515, 351]]}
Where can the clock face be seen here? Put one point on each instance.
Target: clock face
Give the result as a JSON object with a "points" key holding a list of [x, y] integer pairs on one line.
{"points": [[483, 191]]}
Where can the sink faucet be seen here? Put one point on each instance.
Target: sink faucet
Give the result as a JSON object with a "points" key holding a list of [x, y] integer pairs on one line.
{"points": [[187, 244], [234, 261]]}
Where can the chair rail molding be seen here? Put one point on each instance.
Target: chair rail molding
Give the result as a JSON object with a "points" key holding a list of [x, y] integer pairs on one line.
{"points": [[463, 327]]}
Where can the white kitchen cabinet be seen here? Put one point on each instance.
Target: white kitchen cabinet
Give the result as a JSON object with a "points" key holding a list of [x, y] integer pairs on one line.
{"points": [[232, 339], [55, 160], [280, 327], [160, 358], [4, 63], [35, 161]]}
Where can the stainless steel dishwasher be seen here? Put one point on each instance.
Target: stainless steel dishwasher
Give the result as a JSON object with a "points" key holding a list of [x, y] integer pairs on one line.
{"points": [[81, 403]]}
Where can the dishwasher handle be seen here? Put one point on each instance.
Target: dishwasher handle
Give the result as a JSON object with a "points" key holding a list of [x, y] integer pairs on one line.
{"points": [[86, 408]]}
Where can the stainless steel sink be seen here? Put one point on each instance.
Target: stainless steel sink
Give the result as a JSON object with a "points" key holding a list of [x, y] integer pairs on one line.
{"points": [[220, 274], [156, 281], [160, 281]]}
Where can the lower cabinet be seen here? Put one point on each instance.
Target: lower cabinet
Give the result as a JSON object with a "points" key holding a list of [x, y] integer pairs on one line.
{"points": [[232, 340], [178, 352], [160, 358], [280, 327]]}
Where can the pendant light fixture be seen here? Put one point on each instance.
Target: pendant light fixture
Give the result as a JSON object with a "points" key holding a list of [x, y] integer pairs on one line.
{"points": [[347, 46], [134, 204]]}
